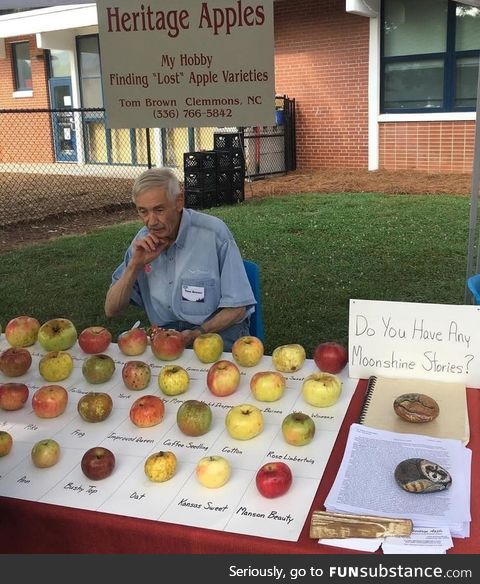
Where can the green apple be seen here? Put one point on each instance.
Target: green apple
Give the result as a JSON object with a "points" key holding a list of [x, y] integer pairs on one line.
{"points": [[173, 380], [321, 389], [208, 347], [98, 368], [58, 334], [45, 453], [244, 422], [6, 442], [298, 429]]}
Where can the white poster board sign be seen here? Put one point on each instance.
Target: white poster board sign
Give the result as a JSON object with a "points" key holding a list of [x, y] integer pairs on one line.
{"points": [[414, 340], [187, 63]]}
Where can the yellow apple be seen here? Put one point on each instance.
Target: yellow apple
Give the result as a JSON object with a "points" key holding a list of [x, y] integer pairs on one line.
{"points": [[321, 389], [45, 453], [244, 422], [247, 351], [160, 466], [55, 366], [208, 347], [267, 386], [173, 380], [213, 471], [288, 358]]}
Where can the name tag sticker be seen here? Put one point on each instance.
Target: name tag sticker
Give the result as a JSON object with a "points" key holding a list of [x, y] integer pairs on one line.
{"points": [[193, 293]]}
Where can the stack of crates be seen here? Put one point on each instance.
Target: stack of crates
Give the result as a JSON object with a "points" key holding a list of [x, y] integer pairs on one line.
{"points": [[230, 168], [200, 179]]}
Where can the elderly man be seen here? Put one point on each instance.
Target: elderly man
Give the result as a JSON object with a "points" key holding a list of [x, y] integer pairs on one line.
{"points": [[183, 267]]}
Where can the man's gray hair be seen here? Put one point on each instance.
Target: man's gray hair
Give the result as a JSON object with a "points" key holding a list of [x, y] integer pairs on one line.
{"points": [[162, 178]]}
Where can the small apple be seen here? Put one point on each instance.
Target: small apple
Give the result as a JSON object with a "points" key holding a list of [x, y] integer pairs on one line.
{"points": [[160, 466], [247, 351], [98, 368], [288, 358], [94, 339], [298, 429], [133, 342], [330, 357], [49, 401], [147, 411], [213, 471], [167, 344], [136, 375], [273, 479], [97, 463], [194, 417], [6, 442], [13, 396], [15, 361], [173, 380], [22, 331], [244, 422], [57, 334], [95, 406], [267, 386], [55, 366], [208, 347], [45, 453], [223, 378], [321, 389]]}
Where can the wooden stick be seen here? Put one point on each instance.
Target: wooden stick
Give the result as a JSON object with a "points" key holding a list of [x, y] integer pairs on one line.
{"points": [[342, 525]]}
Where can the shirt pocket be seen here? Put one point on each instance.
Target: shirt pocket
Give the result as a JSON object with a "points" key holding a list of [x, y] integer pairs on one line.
{"points": [[209, 294]]}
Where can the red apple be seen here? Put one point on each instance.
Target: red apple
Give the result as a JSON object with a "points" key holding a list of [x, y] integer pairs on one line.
{"points": [[194, 417], [136, 375], [167, 344], [15, 362], [49, 401], [22, 331], [133, 342], [13, 396], [330, 357], [98, 463], [223, 378], [94, 339], [273, 479], [147, 411]]}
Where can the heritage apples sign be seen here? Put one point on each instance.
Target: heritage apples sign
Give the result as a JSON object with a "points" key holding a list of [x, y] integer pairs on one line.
{"points": [[187, 63]]}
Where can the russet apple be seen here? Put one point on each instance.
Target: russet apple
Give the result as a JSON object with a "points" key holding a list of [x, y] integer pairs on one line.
{"points": [[208, 347], [6, 443], [94, 339], [267, 386], [49, 401], [167, 344], [247, 351], [244, 422], [160, 466], [95, 406], [15, 361], [173, 380], [288, 358], [136, 375], [147, 411], [98, 368], [223, 378], [45, 453], [57, 334], [194, 417], [298, 429], [13, 396], [133, 342], [273, 479], [213, 471], [97, 463], [55, 366], [330, 357], [321, 389], [22, 331]]}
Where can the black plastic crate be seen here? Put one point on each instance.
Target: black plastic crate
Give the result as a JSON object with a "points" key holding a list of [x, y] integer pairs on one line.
{"points": [[206, 160], [200, 199], [230, 178], [227, 141], [230, 196], [230, 160], [201, 179]]}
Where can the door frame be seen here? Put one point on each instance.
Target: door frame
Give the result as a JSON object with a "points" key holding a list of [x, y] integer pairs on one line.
{"points": [[60, 155]]}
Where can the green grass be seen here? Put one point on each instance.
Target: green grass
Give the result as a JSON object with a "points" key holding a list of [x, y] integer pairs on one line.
{"points": [[315, 253]]}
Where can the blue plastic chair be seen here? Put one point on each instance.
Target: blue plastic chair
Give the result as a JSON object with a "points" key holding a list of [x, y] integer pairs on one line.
{"points": [[473, 284], [256, 319]]}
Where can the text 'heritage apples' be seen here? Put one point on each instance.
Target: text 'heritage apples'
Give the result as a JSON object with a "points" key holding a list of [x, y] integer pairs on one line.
{"points": [[330, 357], [94, 339], [6, 442], [208, 347], [98, 463], [160, 466], [273, 479], [147, 411], [194, 417], [167, 344], [15, 362], [45, 453], [22, 331], [57, 334], [13, 396], [136, 375], [49, 401], [95, 406]]}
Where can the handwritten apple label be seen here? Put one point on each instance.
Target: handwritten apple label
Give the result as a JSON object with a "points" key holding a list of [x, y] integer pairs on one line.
{"points": [[78, 433], [291, 458], [137, 439], [90, 490], [274, 515], [209, 506], [233, 450], [180, 444], [137, 496]]}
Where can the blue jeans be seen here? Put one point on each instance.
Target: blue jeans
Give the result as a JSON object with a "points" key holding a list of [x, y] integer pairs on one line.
{"points": [[229, 335]]}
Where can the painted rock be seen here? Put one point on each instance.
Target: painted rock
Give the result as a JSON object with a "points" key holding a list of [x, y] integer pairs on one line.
{"points": [[416, 407], [417, 475]]}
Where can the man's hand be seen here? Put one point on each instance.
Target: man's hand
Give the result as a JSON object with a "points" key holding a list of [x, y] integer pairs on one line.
{"points": [[189, 336], [147, 249]]}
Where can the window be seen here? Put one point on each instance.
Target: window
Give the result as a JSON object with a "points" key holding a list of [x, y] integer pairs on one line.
{"points": [[90, 72], [22, 66], [430, 55]]}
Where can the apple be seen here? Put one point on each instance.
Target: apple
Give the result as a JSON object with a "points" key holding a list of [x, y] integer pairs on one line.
{"points": [[268, 386], [136, 375], [247, 351], [321, 389], [330, 357], [95, 406], [288, 358], [22, 331], [49, 401], [273, 479], [45, 453], [223, 378], [97, 463], [13, 396], [213, 471], [55, 366], [6, 442], [244, 422], [98, 368], [167, 344], [298, 429], [58, 334], [208, 347], [133, 342], [173, 380], [147, 411], [15, 361], [194, 417], [160, 466], [94, 339]]}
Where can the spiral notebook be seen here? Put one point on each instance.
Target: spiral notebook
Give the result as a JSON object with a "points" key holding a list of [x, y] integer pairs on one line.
{"points": [[452, 421]]}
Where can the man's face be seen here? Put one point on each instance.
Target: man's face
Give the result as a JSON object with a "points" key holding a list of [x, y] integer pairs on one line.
{"points": [[160, 215]]}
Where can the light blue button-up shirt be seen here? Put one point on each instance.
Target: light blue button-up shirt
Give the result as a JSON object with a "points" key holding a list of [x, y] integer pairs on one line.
{"points": [[199, 273]]}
